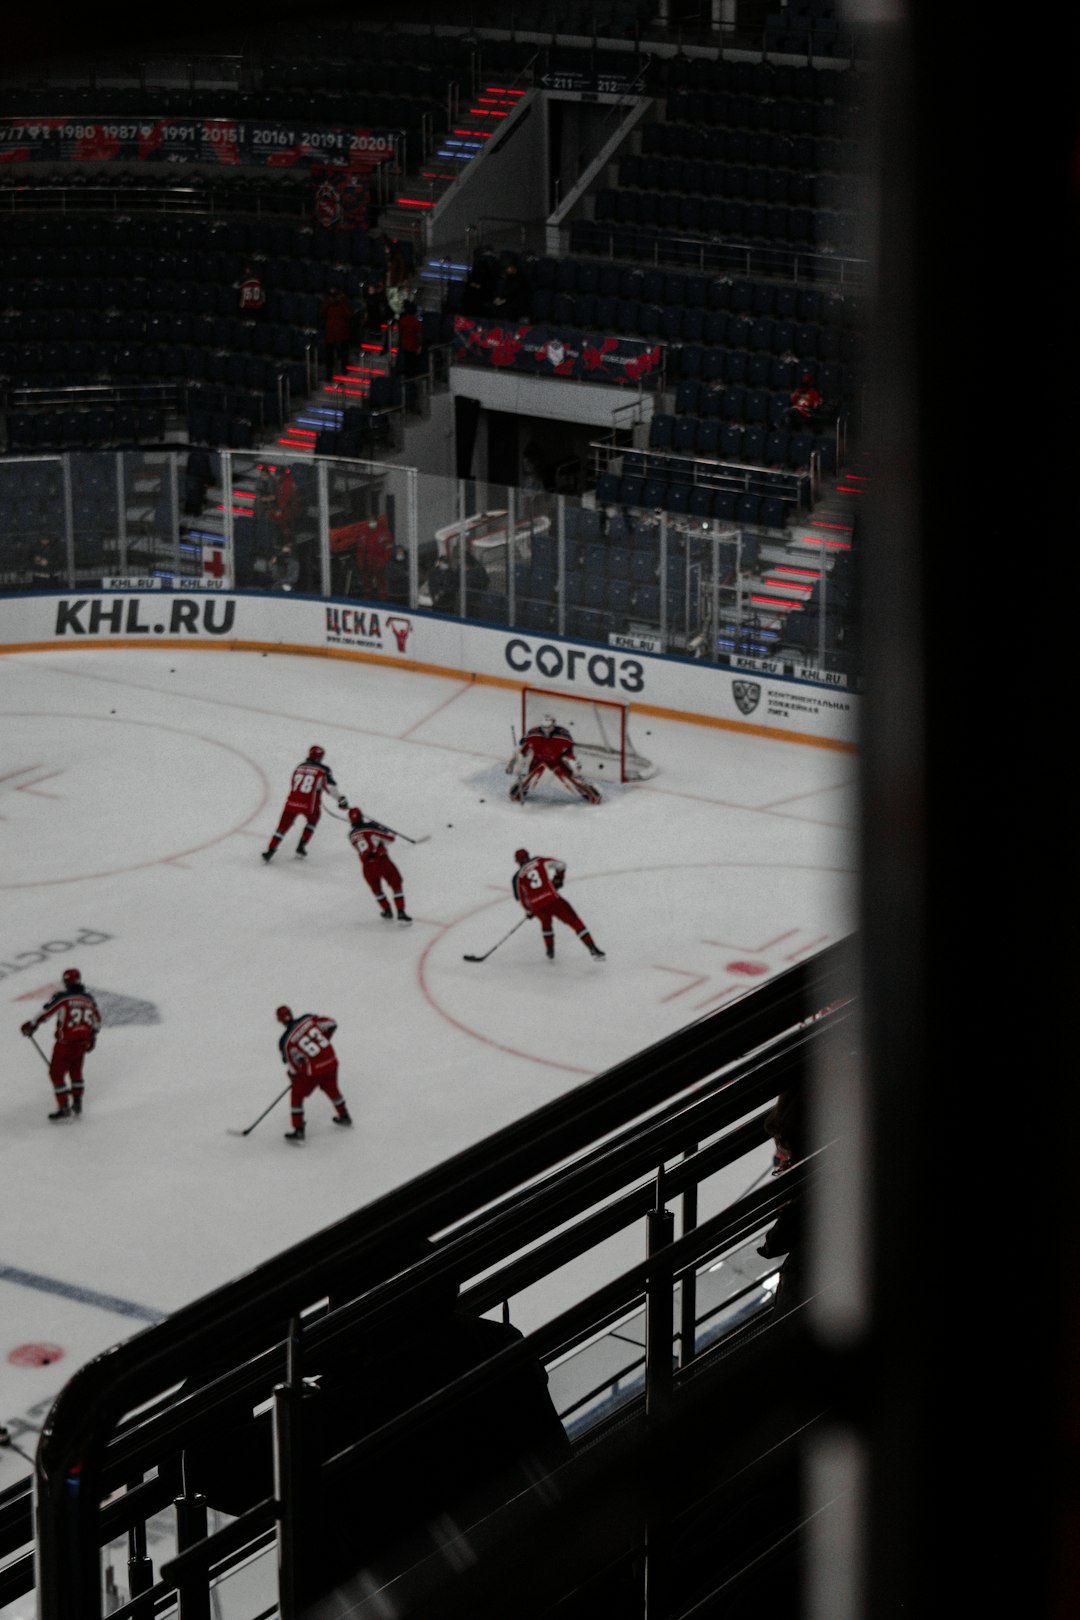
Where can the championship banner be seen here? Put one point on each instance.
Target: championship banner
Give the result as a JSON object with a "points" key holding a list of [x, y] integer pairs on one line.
{"points": [[545, 351], [193, 140]]}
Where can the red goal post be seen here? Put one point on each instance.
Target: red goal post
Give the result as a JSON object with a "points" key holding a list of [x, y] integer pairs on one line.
{"points": [[599, 726]]}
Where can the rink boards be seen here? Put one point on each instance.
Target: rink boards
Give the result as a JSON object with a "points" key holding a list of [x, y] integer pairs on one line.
{"points": [[760, 697]]}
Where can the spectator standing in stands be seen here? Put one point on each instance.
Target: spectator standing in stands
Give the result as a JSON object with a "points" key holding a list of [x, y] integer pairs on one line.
{"points": [[805, 403], [486, 270], [396, 577], [453, 1468], [252, 297], [472, 299], [376, 313], [397, 271], [476, 583], [48, 564], [284, 569], [198, 477], [336, 314], [786, 1237], [262, 508], [513, 295], [444, 586], [411, 358], [286, 508]]}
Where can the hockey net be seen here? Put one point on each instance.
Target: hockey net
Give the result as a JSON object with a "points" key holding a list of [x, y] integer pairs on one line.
{"points": [[600, 728]]}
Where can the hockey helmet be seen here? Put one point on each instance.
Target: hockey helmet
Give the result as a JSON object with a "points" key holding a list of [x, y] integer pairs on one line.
{"points": [[521, 856], [72, 976], [356, 814], [316, 752], [284, 1015], [548, 723]]}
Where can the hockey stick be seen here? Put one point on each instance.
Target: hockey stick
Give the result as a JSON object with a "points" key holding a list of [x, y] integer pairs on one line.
{"points": [[38, 1050], [263, 1115], [9, 1445], [499, 942], [425, 839]]}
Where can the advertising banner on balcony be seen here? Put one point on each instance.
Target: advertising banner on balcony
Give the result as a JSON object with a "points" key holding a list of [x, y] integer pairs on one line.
{"points": [[193, 140], [548, 351]]}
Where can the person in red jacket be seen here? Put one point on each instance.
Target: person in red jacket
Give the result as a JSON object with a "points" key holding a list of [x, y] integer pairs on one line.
{"points": [[805, 403], [411, 357], [548, 747], [371, 841], [77, 1023], [336, 314], [252, 297], [537, 883], [312, 1065]]}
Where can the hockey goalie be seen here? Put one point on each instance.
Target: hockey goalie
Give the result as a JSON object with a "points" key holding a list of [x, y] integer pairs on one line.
{"points": [[547, 747]]}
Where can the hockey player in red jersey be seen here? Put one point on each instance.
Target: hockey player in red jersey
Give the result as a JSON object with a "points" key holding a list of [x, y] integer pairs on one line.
{"points": [[312, 1065], [370, 839], [537, 883], [78, 1020], [310, 780], [548, 747]]}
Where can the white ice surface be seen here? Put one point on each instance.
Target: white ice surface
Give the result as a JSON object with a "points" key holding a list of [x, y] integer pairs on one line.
{"points": [[137, 789]]}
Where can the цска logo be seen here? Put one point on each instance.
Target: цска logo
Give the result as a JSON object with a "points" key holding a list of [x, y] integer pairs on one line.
{"points": [[359, 627]]}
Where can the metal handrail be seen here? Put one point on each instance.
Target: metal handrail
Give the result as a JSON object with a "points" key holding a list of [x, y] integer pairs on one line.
{"points": [[76, 1440]]}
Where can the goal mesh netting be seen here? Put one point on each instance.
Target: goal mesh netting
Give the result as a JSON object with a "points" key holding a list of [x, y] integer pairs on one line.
{"points": [[600, 728]]}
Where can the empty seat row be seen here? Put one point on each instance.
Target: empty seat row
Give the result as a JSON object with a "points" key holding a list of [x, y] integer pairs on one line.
{"points": [[765, 368], [812, 154], [278, 339], [790, 300], [782, 115], [593, 608], [761, 77], [220, 428], [730, 441], [703, 254], [755, 181], [730, 217], [71, 429], [696, 500]]}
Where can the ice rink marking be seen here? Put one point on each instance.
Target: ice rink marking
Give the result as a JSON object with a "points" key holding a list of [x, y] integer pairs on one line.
{"points": [[160, 860], [78, 1294]]}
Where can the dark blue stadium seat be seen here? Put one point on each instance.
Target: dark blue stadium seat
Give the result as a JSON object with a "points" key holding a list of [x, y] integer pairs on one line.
{"points": [[753, 445], [646, 604]]}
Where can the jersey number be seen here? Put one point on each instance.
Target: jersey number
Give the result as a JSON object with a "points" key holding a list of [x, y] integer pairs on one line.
{"points": [[303, 784], [313, 1043]]}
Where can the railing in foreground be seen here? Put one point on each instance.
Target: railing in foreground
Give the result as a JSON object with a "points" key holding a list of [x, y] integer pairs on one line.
{"points": [[521, 1207]]}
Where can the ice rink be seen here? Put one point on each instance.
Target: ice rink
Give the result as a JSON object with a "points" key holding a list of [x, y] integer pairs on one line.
{"points": [[137, 789]]}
